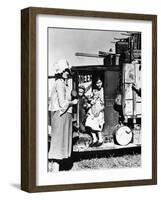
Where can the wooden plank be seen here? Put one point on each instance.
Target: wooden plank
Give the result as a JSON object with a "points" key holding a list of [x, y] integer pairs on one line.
{"points": [[88, 68], [84, 139], [105, 146], [88, 55]]}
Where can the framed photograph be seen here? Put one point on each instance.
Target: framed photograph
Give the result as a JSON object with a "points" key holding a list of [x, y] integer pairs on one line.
{"points": [[88, 99]]}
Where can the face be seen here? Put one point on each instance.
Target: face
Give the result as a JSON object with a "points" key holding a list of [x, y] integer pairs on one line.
{"points": [[80, 92], [65, 74], [99, 84], [118, 99]]}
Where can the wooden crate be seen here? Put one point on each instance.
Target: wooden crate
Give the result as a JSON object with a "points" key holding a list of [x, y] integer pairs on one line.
{"points": [[131, 100]]}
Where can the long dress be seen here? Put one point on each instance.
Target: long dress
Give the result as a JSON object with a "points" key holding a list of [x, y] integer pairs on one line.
{"points": [[61, 121]]}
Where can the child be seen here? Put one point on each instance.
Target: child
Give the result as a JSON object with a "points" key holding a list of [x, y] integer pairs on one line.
{"points": [[95, 116]]}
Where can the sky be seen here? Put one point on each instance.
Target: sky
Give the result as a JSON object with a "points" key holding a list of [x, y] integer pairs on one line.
{"points": [[64, 43]]}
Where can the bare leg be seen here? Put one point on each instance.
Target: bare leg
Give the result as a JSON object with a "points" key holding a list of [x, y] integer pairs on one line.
{"points": [[94, 137], [100, 138]]}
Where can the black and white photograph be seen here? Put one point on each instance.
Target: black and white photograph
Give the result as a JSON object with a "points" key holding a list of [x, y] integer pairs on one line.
{"points": [[89, 99], [94, 99]]}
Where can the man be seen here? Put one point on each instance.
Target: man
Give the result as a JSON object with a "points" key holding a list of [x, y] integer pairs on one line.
{"points": [[118, 107]]}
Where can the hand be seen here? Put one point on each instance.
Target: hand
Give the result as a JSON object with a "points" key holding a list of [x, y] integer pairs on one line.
{"points": [[133, 86], [61, 112], [96, 114], [92, 102], [75, 101]]}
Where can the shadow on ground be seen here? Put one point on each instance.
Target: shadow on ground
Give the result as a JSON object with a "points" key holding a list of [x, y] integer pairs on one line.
{"points": [[16, 185]]}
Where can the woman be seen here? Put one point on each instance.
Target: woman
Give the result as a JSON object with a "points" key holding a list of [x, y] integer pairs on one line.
{"points": [[61, 116], [95, 118]]}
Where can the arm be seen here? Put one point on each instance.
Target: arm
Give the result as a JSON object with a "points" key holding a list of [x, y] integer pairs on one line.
{"points": [[102, 108], [64, 103], [60, 89], [138, 91]]}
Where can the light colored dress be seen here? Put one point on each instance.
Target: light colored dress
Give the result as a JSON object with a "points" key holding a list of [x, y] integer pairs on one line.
{"points": [[95, 116], [61, 121]]}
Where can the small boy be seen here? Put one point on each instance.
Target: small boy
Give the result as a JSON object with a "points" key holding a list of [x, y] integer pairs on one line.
{"points": [[83, 107]]}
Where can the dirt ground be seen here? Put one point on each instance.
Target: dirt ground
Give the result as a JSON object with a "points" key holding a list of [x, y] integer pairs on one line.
{"points": [[110, 162], [126, 161]]}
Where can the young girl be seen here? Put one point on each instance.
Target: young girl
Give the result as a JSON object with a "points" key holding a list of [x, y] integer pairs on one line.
{"points": [[95, 117]]}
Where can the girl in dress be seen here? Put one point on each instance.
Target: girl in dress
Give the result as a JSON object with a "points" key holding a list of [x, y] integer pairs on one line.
{"points": [[95, 116]]}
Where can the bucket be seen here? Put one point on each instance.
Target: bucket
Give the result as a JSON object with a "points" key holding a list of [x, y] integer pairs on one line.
{"points": [[122, 135]]}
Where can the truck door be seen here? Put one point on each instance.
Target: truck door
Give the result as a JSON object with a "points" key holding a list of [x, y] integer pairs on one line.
{"points": [[111, 87]]}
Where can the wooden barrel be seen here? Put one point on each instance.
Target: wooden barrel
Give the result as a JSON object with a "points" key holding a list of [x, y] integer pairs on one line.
{"points": [[122, 135]]}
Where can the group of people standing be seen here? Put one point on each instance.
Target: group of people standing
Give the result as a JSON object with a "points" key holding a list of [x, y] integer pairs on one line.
{"points": [[91, 115]]}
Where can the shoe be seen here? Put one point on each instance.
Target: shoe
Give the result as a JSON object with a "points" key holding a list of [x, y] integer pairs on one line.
{"points": [[92, 144], [98, 144]]}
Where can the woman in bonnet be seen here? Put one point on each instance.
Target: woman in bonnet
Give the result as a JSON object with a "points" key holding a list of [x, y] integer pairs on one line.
{"points": [[61, 116]]}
